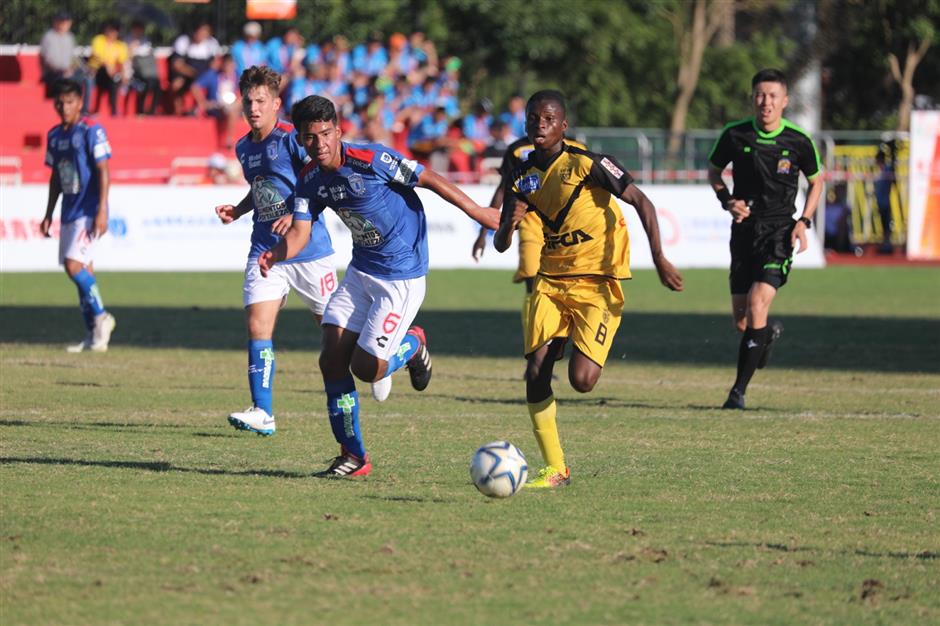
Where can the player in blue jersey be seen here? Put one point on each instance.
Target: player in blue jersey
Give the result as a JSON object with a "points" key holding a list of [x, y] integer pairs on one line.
{"points": [[271, 157], [77, 150], [367, 328]]}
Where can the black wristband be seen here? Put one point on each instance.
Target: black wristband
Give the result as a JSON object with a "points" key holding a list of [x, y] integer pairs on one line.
{"points": [[724, 196], [806, 222]]}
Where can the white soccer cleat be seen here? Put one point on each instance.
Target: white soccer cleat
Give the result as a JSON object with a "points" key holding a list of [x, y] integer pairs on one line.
{"points": [[101, 335], [254, 420], [84, 344], [382, 388]]}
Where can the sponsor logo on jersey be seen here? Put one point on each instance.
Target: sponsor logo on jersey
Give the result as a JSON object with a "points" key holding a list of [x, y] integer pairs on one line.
{"points": [[269, 205], [310, 175], [77, 140], [784, 165], [338, 192], [359, 163], [322, 193], [405, 172], [528, 184], [566, 240], [62, 144], [608, 165], [254, 160], [356, 185], [364, 233], [272, 151]]}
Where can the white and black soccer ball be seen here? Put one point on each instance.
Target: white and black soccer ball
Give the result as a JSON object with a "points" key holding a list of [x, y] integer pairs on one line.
{"points": [[499, 469]]}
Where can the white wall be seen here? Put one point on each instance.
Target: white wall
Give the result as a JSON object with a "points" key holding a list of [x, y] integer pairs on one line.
{"points": [[157, 228]]}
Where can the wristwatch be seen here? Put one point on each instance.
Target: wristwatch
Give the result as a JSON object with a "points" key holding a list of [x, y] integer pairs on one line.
{"points": [[806, 222]]}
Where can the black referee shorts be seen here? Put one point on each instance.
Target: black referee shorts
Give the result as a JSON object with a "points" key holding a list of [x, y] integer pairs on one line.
{"points": [[760, 252]]}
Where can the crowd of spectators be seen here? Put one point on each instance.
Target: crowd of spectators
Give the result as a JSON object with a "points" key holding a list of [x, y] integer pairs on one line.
{"points": [[400, 92]]}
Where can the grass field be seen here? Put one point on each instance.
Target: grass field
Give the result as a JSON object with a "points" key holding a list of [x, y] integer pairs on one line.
{"points": [[127, 498]]}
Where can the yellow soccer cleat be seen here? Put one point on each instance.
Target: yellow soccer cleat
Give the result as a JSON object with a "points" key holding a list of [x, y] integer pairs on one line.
{"points": [[550, 477]]}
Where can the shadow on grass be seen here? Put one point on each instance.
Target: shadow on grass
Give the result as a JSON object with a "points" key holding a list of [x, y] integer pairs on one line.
{"points": [[923, 555], [150, 466], [810, 341]]}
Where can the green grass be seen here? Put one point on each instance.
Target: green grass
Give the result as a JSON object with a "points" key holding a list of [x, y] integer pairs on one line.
{"points": [[127, 499]]}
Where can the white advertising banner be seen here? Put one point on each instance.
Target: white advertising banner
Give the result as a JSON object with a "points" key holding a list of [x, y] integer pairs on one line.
{"points": [[923, 222], [174, 228]]}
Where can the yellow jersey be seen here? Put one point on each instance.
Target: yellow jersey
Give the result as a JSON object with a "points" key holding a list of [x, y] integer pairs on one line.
{"points": [[585, 232]]}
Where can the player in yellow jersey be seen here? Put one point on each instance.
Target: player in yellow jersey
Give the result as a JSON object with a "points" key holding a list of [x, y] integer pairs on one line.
{"points": [[586, 254], [531, 238]]}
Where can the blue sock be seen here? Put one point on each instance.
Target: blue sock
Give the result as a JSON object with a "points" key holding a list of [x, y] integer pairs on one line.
{"points": [[342, 404], [261, 373], [409, 345], [89, 298]]}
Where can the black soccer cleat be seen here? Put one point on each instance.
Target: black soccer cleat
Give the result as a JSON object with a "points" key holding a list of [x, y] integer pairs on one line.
{"points": [[419, 365], [776, 329], [735, 400], [347, 465]]}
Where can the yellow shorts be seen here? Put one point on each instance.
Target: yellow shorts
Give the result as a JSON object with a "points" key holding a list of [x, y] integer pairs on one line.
{"points": [[587, 309], [531, 241]]}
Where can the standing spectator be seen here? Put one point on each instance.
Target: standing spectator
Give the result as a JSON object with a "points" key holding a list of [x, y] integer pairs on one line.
{"points": [[106, 63], [286, 54], [514, 117], [145, 78], [883, 184], [249, 50], [370, 58], [57, 55], [337, 53], [428, 140], [215, 93], [476, 126], [191, 57]]}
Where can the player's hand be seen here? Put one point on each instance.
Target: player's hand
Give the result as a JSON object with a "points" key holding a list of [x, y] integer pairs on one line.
{"points": [[799, 233], [226, 213], [669, 276], [488, 217], [266, 262], [282, 224], [45, 226], [738, 209], [479, 245], [100, 227]]}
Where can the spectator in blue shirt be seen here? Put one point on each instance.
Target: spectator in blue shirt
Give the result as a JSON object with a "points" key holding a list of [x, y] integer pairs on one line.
{"points": [[249, 50]]}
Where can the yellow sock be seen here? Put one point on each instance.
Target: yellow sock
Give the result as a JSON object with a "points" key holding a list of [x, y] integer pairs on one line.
{"points": [[546, 432], [526, 303]]}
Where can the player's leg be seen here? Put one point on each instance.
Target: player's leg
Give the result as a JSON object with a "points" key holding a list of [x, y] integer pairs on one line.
{"points": [[76, 253], [595, 306], [531, 241], [263, 298]]}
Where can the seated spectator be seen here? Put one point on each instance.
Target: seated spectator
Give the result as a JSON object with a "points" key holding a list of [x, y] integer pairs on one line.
{"points": [[57, 55], [311, 84], [514, 116], [400, 59], [216, 95], [428, 140], [370, 58], [476, 126], [286, 54], [249, 50], [222, 171], [337, 53], [424, 53], [191, 56], [500, 138], [336, 87], [106, 64], [145, 78]]}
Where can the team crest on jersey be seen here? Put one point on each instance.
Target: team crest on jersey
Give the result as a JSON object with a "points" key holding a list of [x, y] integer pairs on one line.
{"points": [[364, 233], [528, 184], [784, 165], [269, 205], [608, 165], [565, 173], [356, 184], [272, 151]]}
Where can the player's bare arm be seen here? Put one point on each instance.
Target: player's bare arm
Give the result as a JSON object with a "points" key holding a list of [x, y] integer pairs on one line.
{"points": [[487, 217], [55, 190], [228, 213], [738, 208], [294, 241], [513, 212], [669, 276], [480, 244], [809, 209], [104, 184]]}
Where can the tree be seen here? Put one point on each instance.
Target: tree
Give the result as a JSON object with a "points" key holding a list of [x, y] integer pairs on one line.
{"points": [[910, 28]]}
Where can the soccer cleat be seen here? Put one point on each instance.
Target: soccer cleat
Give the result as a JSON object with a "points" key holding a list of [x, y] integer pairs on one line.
{"points": [[735, 400], [101, 335], [381, 389], [776, 329], [549, 477], [419, 365], [84, 344], [347, 465], [254, 420]]}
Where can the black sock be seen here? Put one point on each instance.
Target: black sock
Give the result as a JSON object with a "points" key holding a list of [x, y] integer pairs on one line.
{"points": [[752, 347]]}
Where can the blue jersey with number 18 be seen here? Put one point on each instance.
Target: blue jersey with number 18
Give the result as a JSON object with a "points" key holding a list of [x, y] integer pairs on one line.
{"points": [[372, 191], [270, 166]]}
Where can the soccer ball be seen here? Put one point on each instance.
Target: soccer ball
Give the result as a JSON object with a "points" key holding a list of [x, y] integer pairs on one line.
{"points": [[498, 469]]}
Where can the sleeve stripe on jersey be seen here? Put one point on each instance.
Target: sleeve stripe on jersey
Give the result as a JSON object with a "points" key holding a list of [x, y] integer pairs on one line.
{"points": [[359, 153], [285, 126]]}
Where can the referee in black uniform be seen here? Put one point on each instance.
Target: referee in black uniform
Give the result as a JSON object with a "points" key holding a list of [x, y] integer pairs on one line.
{"points": [[768, 153]]}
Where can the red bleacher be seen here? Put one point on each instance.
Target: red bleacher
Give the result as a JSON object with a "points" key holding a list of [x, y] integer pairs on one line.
{"points": [[144, 147]]}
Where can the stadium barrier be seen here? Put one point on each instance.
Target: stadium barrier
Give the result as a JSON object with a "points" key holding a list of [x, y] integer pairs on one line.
{"points": [[174, 228]]}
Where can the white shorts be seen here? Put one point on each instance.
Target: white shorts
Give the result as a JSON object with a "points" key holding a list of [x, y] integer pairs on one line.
{"points": [[380, 310], [76, 242], [314, 281]]}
